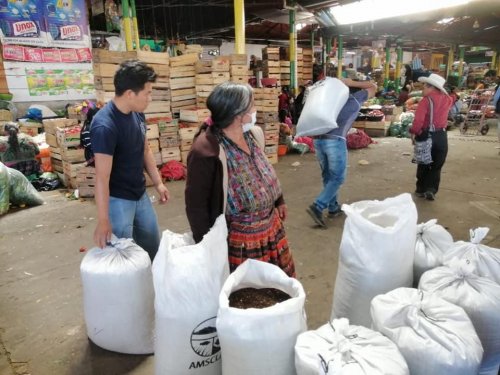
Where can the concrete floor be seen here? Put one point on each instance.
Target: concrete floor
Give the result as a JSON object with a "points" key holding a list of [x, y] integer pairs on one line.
{"points": [[42, 330]]}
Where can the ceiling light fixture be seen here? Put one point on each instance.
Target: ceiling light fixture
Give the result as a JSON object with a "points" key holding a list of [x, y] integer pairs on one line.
{"points": [[371, 10], [445, 21], [476, 24]]}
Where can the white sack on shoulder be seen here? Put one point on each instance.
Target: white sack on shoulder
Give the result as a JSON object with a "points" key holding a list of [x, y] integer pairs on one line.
{"points": [[339, 348], [487, 259], [187, 279], [324, 102], [434, 336], [478, 296], [376, 254], [260, 341], [432, 242], [118, 297]]}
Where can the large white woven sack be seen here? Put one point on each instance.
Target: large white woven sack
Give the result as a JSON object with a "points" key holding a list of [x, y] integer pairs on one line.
{"points": [[434, 335], [325, 100], [188, 278], [118, 297], [486, 258], [376, 255], [260, 341], [478, 296], [432, 242], [339, 348]]}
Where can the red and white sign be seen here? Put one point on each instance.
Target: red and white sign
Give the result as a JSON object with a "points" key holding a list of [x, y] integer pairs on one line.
{"points": [[46, 55], [25, 28], [12, 52], [70, 32]]}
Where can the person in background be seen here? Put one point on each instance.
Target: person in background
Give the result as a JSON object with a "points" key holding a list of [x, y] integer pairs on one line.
{"points": [[496, 103], [284, 99], [429, 176], [121, 153], [299, 103], [404, 95], [331, 152], [228, 173], [18, 150]]}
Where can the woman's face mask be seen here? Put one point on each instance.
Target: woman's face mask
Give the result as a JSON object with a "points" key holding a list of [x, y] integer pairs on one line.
{"points": [[247, 126]]}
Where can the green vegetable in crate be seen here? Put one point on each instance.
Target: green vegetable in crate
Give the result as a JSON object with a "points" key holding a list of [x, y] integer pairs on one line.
{"points": [[395, 129], [4, 189], [21, 191]]}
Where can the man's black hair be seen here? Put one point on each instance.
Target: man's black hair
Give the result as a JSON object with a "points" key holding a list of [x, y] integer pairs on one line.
{"points": [[132, 75]]}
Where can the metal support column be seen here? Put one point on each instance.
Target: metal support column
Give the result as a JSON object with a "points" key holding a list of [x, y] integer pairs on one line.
{"points": [[239, 26], [461, 64], [451, 59], [493, 64], [387, 66], [340, 55], [136, 25], [399, 63], [293, 50], [127, 25], [328, 50]]}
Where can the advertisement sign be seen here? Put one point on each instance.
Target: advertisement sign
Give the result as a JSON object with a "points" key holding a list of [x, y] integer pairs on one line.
{"points": [[67, 24], [22, 22], [46, 55]]}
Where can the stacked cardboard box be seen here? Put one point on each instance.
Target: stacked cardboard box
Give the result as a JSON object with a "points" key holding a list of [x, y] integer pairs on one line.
{"points": [[63, 137], [271, 63], [182, 81], [285, 72], [307, 65], [239, 68], [266, 102]]}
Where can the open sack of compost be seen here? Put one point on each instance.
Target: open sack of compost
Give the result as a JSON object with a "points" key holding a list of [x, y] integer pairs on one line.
{"points": [[260, 340], [118, 297], [434, 335], [486, 258], [432, 242], [339, 348], [376, 254], [188, 278], [325, 100], [479, 296]]}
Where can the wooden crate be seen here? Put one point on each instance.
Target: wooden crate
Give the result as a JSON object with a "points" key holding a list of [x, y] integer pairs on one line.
{"points": [[182, 83], [73, 155], [240, 79], [69, 136], [220, 77], [182, 71], [187, 133], [194, 114], [205, 88], [238, 59], [188, 59], [105, 69], [151, 57], [377, 128], [273, 158], [239, 70], [221, 64], [169, 141], [173, 153], [267, 117], [204, 79], [161, 70], [158, 106], [154, 145], [203, 66], [271, 64], [104, 56], [152, 131]]}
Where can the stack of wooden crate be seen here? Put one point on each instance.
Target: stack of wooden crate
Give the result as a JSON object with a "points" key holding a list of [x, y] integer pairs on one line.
{"points": [[239, 68], [182, 81], [191, 119], [105, 64], [285, 72], [307, 65], [169, 139], [204, 82], [160, 106], [86, 180], [300, 65], [271, 63], [63, 137], [186, 135], [266, 102]]}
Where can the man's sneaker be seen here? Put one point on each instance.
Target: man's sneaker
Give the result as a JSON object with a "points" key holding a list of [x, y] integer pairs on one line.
{"points": [[420, 195], [429, 195], [333, 214], [316, 215]]}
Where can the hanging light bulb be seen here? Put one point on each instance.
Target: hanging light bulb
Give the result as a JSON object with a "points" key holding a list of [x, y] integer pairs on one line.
{"points": [[476, 24]]}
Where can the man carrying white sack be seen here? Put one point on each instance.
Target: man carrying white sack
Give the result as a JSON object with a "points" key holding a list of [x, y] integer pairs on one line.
{"points": [[331, 151]]}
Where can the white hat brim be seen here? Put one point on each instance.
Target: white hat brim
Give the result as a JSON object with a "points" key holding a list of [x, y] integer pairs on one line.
{"points": [[432, 83]]}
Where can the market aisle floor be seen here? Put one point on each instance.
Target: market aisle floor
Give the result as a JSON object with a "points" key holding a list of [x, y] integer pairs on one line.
{"points": [[42, 331]]}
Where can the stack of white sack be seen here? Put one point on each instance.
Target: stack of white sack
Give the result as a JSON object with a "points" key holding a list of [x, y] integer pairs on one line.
{"points": [[338, 348], [434, 335], [118, 297], [260, 341], [486, 259], [376, 255], [478, 296], [188, 278], [432, 242]]}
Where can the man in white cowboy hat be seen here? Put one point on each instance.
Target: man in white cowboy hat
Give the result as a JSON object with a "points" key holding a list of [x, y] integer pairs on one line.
{"points": [[431, 118]]}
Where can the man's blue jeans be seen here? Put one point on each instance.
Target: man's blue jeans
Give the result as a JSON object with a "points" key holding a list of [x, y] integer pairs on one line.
{"points": [[137, 220], [332, 157]]}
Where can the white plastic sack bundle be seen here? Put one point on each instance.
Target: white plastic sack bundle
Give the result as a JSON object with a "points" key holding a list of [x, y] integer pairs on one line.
{"points": [[434, 336], [376, 255], [118, 297], [325, 100], [432, 242], [188, 278], [260, 341], [487, 259], [338, 348], [478, 296]]}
